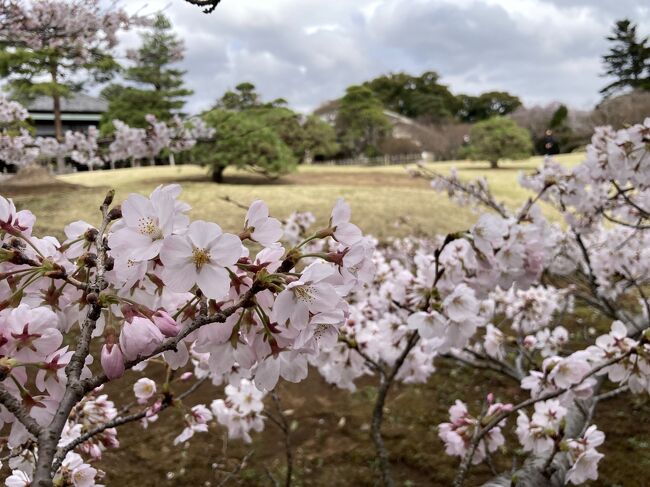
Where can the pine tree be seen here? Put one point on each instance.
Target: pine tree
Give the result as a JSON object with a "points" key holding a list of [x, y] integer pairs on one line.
{"points": [[157, 86], [628, 60]]}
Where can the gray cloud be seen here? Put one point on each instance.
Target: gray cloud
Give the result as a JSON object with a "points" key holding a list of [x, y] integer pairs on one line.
{"points": [[308, 51]]}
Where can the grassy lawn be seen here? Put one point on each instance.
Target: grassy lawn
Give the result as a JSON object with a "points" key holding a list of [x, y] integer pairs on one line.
{"points": [[385, 201]]}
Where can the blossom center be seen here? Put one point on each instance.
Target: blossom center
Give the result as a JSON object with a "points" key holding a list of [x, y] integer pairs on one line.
{"points": [[305, 293], [200, 257], [149, 227]]}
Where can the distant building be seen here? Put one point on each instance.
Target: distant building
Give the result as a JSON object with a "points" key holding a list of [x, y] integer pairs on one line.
{"points": [[77, 113], [410, 135]]}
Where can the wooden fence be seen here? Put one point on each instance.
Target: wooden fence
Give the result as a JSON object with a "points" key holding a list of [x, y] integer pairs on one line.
{"points": [[386, 160]]}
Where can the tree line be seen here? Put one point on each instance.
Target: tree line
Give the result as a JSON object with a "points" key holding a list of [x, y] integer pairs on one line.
{"points": [[269, 137]]}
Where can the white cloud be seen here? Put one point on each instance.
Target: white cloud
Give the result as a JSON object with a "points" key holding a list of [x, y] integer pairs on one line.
{"points": [[308, 51]]}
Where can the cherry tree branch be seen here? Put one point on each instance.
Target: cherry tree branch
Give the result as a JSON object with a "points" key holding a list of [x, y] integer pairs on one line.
{"points": [[236, 470], [481, 194], [49, 437], [386, 381], [172, 343], [613, 393], [353, 345], [284, 426], [15, 407], [118, 421], [529, 402], [482, 363]]}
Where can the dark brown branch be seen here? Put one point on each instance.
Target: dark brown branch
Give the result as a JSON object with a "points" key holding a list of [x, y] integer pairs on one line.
{"points": [[15, 407], [115, 422], [49, 437], [284, 426], [386, 380]]}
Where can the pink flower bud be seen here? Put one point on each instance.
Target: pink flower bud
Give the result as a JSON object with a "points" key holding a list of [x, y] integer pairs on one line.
{"points": [[490, 398], [112, 361], [154, 409], [165, 323], [139, 338], [186, 376]]}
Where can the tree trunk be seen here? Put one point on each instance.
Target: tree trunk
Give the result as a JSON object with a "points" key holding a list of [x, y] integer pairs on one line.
{"points": [[217, 174], [58, 130], [172, 161], [58, 124], [494, 164]]}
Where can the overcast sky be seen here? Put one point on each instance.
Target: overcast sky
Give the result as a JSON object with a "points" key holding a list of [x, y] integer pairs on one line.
{"points": [[309, 51]]}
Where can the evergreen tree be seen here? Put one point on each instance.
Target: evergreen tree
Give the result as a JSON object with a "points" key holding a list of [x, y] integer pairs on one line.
{"points": [[243, 98], [158, 87], [360, 122], [305, 137], [486, 105], [498, 138], [628, 60], [420, 97], [245, 141]]}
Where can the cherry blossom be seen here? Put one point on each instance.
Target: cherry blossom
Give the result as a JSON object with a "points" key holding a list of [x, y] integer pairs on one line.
{"points": [[200, 257]]}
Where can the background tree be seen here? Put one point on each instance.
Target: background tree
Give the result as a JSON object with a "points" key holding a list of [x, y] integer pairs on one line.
{"points": [[320, 139], [244, 141], [419, 97], [243, 97], [498, 138], [54, 47], [628, 60], [622, 110], [360, 121], [158, 87], [487, 105], [304, 137]]}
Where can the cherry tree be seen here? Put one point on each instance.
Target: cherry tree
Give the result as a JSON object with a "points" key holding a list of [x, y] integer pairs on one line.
{"points": [[15, 140], [18, 147], [490, 298], [52, 47], [152, 289]]}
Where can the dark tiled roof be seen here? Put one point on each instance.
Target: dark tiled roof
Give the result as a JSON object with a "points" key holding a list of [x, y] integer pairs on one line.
{"points": [[77, 103]]}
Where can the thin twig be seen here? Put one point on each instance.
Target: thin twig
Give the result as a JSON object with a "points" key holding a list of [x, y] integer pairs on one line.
{"points": [[236, 470], [463, 470], [378, 412]]}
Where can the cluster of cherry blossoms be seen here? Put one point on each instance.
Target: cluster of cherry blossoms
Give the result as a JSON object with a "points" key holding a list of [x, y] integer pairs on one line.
{"points": [[15, 140], [20, 148], [135, 144], [542, 434], [158, 289], [460, 431], [496, 297], [79, 27]]}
